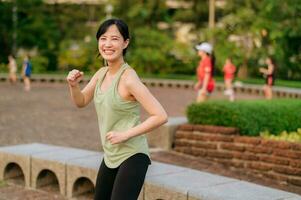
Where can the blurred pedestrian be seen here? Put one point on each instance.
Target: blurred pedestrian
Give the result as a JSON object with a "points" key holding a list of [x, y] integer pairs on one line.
{"points": [[206, 83], [26, 72], [12, 68], [269, 74], [118, 93], [229, 70]]}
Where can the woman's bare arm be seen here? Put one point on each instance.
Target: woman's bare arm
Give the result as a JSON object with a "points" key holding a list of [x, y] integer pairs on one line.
{"points": [[81, 98]]}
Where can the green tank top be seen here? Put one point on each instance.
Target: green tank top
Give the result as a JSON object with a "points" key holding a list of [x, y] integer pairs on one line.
{"points": [[117, 114]]}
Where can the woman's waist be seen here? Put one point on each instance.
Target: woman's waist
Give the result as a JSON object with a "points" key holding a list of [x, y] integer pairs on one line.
{"points": [[135, 144]]}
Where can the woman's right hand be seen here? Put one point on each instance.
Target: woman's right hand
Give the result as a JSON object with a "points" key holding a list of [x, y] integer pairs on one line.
{"points": [[197, 86], [74, 77]]}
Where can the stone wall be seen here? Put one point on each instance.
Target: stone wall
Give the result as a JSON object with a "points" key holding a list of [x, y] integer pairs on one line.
{"points": [[271, 160]]}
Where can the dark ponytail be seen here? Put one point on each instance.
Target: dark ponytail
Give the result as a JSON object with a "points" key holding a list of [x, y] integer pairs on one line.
{"points": [[213, 61]]}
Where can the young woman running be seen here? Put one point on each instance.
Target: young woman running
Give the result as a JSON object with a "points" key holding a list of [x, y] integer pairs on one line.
{"points": [[118, 92]]}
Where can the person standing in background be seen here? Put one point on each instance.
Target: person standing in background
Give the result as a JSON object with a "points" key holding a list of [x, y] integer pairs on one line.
{"points": [[229, 70], [12, 68], [26, 73], [269, 74], [206, 83]]}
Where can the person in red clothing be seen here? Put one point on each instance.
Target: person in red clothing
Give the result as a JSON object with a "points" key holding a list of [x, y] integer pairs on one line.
{"points": [[229, 73], [206, 83], [269, 74]]}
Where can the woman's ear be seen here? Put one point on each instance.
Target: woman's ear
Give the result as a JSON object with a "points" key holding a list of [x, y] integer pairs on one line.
{"points": [[126, 43]]}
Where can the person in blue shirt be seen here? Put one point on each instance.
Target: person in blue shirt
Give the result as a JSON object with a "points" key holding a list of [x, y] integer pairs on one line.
{"points": [[26, 73]]}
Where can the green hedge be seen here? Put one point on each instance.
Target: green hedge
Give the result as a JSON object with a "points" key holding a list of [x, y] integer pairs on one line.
{"points": [[251, 117], [285, 136]]}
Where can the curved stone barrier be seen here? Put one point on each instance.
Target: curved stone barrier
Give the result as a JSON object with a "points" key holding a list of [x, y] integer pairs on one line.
{"points": [[82, 168], [280, 92], [55, 161], [21, 156], [75, 171], [13, 172]]}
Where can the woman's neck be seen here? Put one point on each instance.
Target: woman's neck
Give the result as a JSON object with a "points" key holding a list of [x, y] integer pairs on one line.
{"points": [[115, 65], [205, 56]]}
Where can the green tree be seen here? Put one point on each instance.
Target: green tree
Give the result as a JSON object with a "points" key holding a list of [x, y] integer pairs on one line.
{"points": [[256, 29]]}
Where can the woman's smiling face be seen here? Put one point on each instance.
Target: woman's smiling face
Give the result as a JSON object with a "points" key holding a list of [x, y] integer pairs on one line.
{"points": [[111, 44]]}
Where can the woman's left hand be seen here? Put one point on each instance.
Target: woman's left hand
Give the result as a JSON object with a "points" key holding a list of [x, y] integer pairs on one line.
{"points": [[115, 137]]}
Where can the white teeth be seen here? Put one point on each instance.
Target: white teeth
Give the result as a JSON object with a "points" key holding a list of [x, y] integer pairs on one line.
{"points": [[108, 51]]}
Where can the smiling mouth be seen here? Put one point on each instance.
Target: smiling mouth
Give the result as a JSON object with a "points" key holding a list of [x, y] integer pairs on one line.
{"points": [[108, 52]]}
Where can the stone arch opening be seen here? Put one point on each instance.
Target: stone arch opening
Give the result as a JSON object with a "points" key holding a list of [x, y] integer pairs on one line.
{"points": [[13, 173], [83, 187], [48, 181]]}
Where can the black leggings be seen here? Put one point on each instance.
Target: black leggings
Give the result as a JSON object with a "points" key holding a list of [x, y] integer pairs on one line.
{"points": [[123, 182]]}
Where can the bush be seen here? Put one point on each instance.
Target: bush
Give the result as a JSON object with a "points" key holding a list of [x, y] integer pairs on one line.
{"points": [[251, 117], [285, 136], [39, 64]]}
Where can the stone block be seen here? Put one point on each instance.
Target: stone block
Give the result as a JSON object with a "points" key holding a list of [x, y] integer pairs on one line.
{"points": [[141, 195], [155, 192], [172, 182], [54, 163], [239, 190], [20, 155], [159, 169], [86, 167], [163, 136], [152, 191]]}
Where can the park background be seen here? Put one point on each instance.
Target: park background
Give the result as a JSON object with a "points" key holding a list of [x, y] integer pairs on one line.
{"points": [[60, 35]]}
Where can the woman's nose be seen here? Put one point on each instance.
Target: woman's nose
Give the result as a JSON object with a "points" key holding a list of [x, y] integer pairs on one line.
{"points": [[108, 43]]}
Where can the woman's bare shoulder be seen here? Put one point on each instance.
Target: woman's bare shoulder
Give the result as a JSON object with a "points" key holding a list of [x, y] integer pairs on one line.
{"points": [[100, 70], [130, 73]]}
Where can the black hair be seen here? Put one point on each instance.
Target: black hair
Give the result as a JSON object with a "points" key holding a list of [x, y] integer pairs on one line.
{"points": [[213, 61], [121, 25], [213, 58], [272, 60], [273, 63]]}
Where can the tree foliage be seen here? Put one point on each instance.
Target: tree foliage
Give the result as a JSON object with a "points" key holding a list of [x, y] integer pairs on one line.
{"points": [[248, 31], [258, 29]]}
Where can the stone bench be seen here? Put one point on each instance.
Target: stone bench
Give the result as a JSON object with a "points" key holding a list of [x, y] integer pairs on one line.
{"points": [[49, 167], [75, 172], [179, 183], [15, 161], [81, 172]]}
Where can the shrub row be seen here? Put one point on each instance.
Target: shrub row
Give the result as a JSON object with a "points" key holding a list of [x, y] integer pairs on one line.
{"points": [[284, 135], [251, 117]]}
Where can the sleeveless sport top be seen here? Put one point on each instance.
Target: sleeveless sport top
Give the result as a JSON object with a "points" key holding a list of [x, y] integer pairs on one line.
{"points": [[117, 114]]}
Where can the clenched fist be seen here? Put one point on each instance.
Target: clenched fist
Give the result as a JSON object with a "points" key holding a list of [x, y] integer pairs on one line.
{"points": [[74, 77]]}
